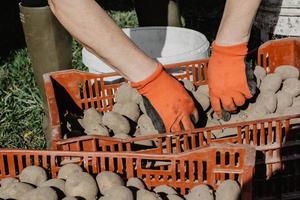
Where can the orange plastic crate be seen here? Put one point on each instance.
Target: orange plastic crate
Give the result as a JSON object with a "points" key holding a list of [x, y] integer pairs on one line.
{"points": [[209, 165], [266, 135], [73, 91]]}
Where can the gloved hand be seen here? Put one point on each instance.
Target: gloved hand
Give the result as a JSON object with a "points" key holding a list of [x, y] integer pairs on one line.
{"points": [[227, 80], [171, 103]]}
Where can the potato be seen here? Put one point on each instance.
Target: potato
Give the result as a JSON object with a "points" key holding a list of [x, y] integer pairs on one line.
{"points": [[34, 175], [126, 93], [123, 93], [211, 123], [81, 184], [107, 180], [269, 100], [287, 71], [2, 195], [135, 96], [291, 110], [142, 106], [203, 89], [271, 82], [96, 129], [142, 142], [122, 136], [164, 189], [257, 111], [188, 85], [67, 170], [284, 100], [128, 109], [228, 190], [174, 197], [143, 194], [119, 193], [296, 101], [200, 192], [291, 86], [135, 182], [226, 132], [260, 74], [70, 198], [203, 99], [91, 116], [40, 193], [6, 182], [146, 126], [16, 190], [200, 188], [116, 122], [57, 183]]}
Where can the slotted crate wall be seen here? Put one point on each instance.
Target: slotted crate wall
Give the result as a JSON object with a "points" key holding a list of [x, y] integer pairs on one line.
{"points": [[209, 165]]}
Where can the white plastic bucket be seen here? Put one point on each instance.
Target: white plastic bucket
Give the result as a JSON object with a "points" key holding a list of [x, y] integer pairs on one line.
{"points": [[166, 44], [276, 17]]}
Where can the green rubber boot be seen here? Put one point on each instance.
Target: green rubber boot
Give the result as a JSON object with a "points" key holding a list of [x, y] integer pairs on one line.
{"points": [[49, 46]]}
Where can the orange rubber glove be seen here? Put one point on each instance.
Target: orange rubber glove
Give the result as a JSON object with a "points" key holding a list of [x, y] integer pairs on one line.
{"points": [[227, 80], [169, 99]]}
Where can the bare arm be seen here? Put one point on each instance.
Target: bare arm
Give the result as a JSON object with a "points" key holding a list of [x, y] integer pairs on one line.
{"points": [[92, 27], [237, 21]]}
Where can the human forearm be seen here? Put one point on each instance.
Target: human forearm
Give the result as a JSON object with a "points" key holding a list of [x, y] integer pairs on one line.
{"points": [[237, 21], [92, 27]]}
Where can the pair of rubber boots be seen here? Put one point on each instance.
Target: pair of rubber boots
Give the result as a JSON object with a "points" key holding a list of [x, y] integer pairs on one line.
{"points": [[49, 46]]}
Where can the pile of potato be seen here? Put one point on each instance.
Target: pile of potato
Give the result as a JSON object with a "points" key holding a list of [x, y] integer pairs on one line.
{"points": [[278, 94], [128, 117], [72, 183]]}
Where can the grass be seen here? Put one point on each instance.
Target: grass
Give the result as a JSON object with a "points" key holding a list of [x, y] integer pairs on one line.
{"points": [[21, 108], [20, 103]]}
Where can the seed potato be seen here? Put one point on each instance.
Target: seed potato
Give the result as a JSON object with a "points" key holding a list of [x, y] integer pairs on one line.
{"points": [[287, 71], [119, 193], [284, 100], [164, 189], [260, 74], [272, 82], [17, 189], [296, 101], [96, 129], [70, 198], [146, 126], [135, 182], [34, 175], [267, 99], [91, 115], [228, 190], [143, 194], [122, 136], [57, 183], [188, 85], [67, 170], [40, 193], [200, 192], [107, 180], [291, 86], [128, 109], [174, 197], [81, 184], [126, 93], [203, 89], [6, 182], [203, 99], [116, 122]]}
